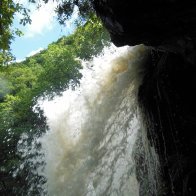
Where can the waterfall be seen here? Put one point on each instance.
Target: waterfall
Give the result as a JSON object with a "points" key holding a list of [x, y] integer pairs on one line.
{"points": [[94, 129]]}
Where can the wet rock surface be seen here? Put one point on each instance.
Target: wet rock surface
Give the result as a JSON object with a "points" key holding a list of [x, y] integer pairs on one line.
{"points": [[167, 95], [167, 99]]}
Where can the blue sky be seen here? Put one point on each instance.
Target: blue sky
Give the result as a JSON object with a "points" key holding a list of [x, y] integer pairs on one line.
{"points": [[43, 30]]}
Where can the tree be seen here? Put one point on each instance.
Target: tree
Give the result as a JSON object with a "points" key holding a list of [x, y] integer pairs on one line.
{"points": [[66, 8], [8, 8]]}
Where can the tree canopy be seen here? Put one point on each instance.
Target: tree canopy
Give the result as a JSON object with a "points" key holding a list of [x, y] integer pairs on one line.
{"points": [[8, 9]]}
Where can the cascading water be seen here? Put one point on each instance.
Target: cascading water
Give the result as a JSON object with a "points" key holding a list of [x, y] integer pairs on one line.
{"points": [[88, 149]]}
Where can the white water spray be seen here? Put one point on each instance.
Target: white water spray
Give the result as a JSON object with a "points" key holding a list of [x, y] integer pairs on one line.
{"points": [[92, 130]]}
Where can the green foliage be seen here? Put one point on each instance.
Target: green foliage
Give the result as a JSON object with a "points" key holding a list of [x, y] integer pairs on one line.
{"points": [[66, 8], [60, 67], [90, 38], [5, 58], [7, 10], [45, 74]]}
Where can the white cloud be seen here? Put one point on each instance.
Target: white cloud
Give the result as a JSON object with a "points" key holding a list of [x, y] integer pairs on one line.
{"points": [[34, 52], [43, 19], [19, 60]]}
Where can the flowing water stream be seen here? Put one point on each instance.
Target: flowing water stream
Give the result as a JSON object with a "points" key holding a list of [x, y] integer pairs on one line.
{"points": [[88, 149]]}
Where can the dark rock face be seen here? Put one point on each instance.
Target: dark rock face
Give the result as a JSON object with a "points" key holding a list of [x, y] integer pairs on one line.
{"points": [[168, 101], [152, 22], [168, 93]]}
